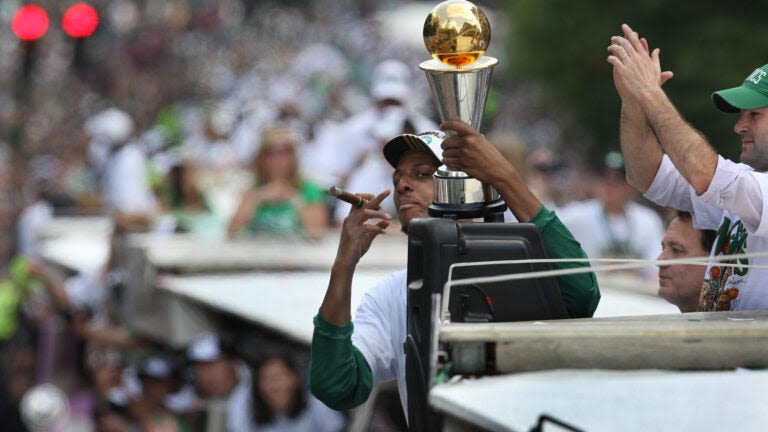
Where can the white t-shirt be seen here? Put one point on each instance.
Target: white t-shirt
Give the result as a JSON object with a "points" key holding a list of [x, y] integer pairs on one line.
{"points": [[126, 186], [239, 402], [87, 289], [34, 216], [335, 151], [733, 205], [380, 331], [374, 176]]}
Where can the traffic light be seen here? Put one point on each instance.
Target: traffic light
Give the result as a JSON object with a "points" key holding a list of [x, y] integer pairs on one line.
{"points": [[29, 24], [79, 22]]}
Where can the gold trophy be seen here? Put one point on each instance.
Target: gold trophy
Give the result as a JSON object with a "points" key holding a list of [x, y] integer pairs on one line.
{"points": [[457, 33]]}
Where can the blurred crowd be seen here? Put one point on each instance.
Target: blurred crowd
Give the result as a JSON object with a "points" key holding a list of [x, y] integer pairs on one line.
{"points": [[223, 119]]}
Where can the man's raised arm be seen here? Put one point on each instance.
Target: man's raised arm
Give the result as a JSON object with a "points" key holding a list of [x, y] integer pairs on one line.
{"points": [[638, 75]]}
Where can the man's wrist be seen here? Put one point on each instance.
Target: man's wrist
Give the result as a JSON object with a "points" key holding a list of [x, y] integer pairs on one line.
{"points": [[343, 264], [650, 98]]}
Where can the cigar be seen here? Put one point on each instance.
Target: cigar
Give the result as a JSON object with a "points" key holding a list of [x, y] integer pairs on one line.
{"points": [[355, 200]]}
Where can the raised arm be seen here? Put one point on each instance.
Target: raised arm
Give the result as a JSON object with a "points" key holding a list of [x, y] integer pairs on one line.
{"points": [[471, 152], [339, 374], [642, 151], [52, 282], [249, 202], [639, 75], [356, 237]]}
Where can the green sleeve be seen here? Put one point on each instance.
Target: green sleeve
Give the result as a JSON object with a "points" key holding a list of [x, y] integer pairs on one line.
{"points": [[339, 375], [311, 193], [580, 291]]}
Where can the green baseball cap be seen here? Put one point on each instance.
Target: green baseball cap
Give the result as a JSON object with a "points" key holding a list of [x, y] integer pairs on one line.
{"points": [[753, 93]]}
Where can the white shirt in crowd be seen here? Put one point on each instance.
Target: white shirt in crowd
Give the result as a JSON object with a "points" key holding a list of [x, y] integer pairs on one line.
{"points": [[32, 218], [635, 234], [126, 184]]}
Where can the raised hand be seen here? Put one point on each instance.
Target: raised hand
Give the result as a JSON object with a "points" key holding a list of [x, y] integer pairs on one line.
{"points": [[277, 191], [357, 230], [470, 151], [635, 67]]}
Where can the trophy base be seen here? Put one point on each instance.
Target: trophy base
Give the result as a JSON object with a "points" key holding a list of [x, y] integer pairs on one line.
{"points": [[492, 211]]}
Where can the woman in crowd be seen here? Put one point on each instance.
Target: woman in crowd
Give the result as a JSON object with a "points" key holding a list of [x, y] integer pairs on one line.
{"points": [[281, 402], [187, 207], [281, 202]]}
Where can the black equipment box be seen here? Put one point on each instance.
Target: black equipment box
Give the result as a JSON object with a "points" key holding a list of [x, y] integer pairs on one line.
{"points": [[434, 244]]}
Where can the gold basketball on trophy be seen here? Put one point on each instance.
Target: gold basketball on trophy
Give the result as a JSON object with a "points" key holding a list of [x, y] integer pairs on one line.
{"points": [[456, 33]]}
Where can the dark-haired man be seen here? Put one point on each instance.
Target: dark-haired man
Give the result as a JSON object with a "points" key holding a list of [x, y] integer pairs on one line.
{"points": [[680, 284]]}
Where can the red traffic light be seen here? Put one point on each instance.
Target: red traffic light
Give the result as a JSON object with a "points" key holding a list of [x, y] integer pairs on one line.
{"points": [[80, 20], [30, 22]]}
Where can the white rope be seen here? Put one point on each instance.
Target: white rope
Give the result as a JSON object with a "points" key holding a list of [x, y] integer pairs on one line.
{"points": [[622, 264]]}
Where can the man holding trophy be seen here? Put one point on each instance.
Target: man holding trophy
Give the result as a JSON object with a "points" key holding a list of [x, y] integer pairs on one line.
{"points": [[474, 180]]}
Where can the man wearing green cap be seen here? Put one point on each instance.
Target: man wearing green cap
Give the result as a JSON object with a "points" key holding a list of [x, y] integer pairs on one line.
{"points": [[674, 165]]}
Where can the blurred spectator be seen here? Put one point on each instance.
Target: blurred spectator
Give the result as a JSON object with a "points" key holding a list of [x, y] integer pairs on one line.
{"points": [[612, 225], [123, 169], [681, 284], [109, 384], [32, 218], [159, 379], [542, 166], [16, 284], [219, 375], [339, 151], [281, 202], [538, 168], [87, 300], [282, 402], [374, 174], [110, 418], [210, 145], [321, 74], [185, 203]]}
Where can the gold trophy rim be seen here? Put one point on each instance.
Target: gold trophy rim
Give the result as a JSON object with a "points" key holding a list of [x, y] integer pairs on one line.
{"points": [[484, 62]]}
